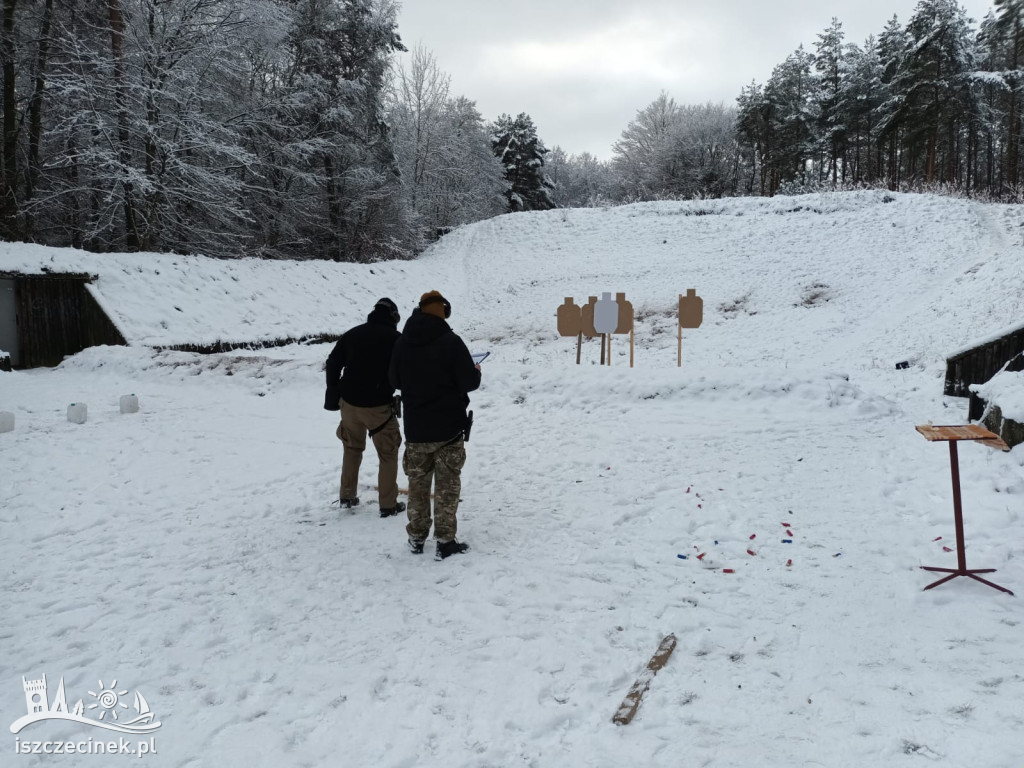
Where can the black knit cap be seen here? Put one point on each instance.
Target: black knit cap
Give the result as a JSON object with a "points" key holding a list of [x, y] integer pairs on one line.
{"points": [[390, 307]]}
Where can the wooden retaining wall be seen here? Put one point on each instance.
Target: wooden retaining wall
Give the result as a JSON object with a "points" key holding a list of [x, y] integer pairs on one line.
{"points": [[978, 365], [57, 317]]}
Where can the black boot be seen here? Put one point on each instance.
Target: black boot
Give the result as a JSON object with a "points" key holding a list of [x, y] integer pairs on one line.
{"points": [[389, 511], [416, 546], [349, 503], [449, 548]]}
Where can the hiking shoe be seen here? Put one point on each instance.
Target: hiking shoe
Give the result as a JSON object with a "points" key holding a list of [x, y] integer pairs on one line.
{"points": [[449, 548], [389, 511], [416, 546], [349, 503]]}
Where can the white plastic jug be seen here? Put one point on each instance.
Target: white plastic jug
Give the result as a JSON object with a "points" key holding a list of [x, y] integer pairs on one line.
{"points": [[77, 413], [129, 404], [6, 421]]}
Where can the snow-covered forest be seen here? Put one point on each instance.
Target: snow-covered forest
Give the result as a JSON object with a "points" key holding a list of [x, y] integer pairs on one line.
{"points": [[309, 129]]}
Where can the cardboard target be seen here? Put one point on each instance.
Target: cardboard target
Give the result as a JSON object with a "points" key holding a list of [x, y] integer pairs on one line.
{"points": [[587, 315], [691, 309], [625, 324], [606, 314], [570, 318]]}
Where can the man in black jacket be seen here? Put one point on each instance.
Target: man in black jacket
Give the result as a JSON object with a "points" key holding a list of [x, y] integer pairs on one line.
{"points": [[435, 371], [357, 385]]}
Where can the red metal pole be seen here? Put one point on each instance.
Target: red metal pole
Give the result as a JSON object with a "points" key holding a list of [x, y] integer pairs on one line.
{"points": [[954, 468]]}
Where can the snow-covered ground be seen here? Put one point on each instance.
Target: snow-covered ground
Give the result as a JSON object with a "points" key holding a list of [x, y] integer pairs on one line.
{"points": [[191, 550]]}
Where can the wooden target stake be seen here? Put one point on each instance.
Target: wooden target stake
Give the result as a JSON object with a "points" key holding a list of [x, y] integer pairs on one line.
{"points": [[631, 703], [579, 347], [630, 347], [679, 354]]}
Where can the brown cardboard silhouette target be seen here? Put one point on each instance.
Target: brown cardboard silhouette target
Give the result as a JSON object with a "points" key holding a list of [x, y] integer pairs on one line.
{"points": [[691, 309], [587, 315], [570, 318], [691, 315], [625, 324], [597, 318]]}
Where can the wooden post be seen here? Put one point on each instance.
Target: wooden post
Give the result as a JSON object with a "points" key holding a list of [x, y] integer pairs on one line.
{"points": [[579, 347], [679, 354], [602, 349], [609, 349], [631, 703], [630, 347]]}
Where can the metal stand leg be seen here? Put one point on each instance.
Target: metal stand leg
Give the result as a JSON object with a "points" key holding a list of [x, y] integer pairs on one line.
{"points": [[961, 554]]}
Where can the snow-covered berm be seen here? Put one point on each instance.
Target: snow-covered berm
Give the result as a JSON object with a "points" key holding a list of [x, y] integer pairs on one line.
{"points": [[191, 550], [1005, 389]]}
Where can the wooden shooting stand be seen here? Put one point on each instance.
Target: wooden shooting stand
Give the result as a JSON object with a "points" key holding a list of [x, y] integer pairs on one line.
{"points": [[952, 435]]}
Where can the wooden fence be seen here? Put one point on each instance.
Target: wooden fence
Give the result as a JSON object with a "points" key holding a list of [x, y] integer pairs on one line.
{"points": [[981, 363]]}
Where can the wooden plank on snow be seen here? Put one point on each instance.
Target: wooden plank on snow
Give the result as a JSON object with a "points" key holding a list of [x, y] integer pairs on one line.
{"points": [[631, 703]]}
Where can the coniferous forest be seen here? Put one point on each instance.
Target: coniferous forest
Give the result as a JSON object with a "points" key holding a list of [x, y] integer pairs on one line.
{"points": [[307, 129]]}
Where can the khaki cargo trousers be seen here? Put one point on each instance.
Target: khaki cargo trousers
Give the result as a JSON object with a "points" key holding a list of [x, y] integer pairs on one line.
{"points": [[355, 423]]}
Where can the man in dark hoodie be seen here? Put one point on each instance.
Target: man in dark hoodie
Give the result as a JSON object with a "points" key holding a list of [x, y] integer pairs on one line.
{"points": [[357, 385], [435, 371]]}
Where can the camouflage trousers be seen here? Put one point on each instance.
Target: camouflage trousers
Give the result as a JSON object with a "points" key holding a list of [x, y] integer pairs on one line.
{"points": [[441, 464], [355, 423]]}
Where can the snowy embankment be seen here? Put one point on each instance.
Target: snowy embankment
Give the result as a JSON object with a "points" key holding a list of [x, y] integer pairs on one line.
{"points": [[191, 550]]}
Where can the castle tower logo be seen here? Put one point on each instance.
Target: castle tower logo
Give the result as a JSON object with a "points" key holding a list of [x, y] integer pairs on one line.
{"points": [[110, 710]]}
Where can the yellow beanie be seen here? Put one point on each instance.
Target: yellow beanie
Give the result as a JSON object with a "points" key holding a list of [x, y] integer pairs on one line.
{"points": [[433, 303]]}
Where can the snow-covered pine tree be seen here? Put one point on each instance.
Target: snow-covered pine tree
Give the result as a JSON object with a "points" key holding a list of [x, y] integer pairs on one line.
{"points": [[932, 102], [1005, 36], [792, 93], [831, 108], [863, 94], [515, 143], [754, 137], [343, 181]]}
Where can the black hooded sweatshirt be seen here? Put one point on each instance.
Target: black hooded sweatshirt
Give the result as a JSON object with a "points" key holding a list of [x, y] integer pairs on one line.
{"points": [[434, 370], [357, 368]]}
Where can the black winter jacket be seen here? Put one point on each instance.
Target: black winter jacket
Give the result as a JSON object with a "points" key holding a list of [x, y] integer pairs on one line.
{"points": [[434, 370], [357, 368]]}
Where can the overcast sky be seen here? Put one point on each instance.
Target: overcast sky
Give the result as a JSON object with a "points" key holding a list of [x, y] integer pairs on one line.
{"points": [[583, 68]]}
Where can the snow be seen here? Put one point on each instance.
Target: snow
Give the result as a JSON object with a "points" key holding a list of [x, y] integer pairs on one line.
{"points": [[994, 336], [191, 550], [1005, 389], [164, 300]]}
